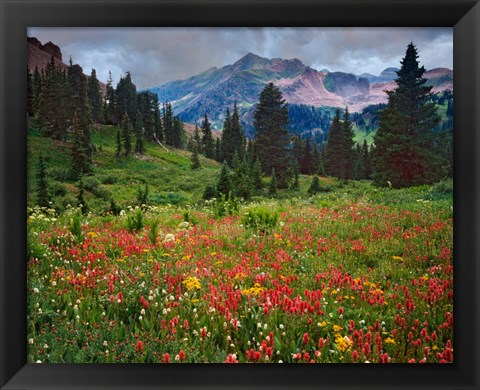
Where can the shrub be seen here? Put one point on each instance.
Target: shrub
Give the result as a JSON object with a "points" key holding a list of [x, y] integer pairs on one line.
{"points": [[153, 232], [75, 227], [58, 189], [209, 193], [90, 183], [260, 218], [443, 187], [227, 205], [135, 221]]}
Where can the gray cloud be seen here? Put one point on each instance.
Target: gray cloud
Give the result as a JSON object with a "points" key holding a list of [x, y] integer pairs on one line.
{"points": [[157, 55]]}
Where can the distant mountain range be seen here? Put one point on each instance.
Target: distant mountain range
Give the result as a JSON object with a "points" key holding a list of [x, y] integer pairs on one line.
{"points": [[217, 88]]}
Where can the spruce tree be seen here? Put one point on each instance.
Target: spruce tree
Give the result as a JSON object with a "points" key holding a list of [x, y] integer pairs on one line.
{"points": [[228, 147], [43, 196], [404, 152], [367, 163], [348, 145], [241, 181], [272, 188], [178, 134], [271, 135], [80, 159], [256, 175], [36, 89], [316, 160], [195, 159], [110, 108], [95, 98], [296, 170], [139, 134], [53, 113], [207, 139], [333, 149], [224, 185], [126, 98], [168, 123], [238, 136], [196, 140], [126, 134]]}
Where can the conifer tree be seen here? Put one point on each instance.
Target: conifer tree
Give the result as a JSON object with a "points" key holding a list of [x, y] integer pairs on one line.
{"points": [[405, 152], [367, 163], [306, 159], [43, 196], [36, 89], [126, 134], [256, 174], [227, 142], [139, 134], [81, 199], [207, 139], [218, 150], [80, 159], [158, 126], [224, 185], [126, 98], [95, 98], [168, 123], [296, 170], [195, 159], [242, 180], [272, 188], [53, 113], [271, 135], [178, 134], [110, 107], [316, 160], [196, 139]]}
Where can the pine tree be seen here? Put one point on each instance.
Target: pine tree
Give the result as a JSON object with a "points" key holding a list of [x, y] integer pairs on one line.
{"points": [[207, 139], [405, 152], [306, 159], [228, 148], [53, 114], [139, 134], [218, 150], [224, 185], [333, 148], [296, 169], [367, 163], [271, 135], [238, 136], [80, 159], [110, 108], [126, 134], [81, 109], [178, 134], [256, 175], [316, 160], [168, 122], [272, 189], [197, 140], [36, 89], [348, 145], [42, 184], [241, 181], [195, 159], [81, 199], [95, 98], [159, 131], [126, 98]]}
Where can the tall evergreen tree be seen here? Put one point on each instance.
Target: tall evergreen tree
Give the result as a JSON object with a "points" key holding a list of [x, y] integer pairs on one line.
{"points": [[238, 136], [306, 159], [126, 98], [348, 144], [178, 133], [53, 113], [36, 89], [168, 122], [126, 134], [228, 147], [314, 186], [139, 134], [316, 160], [95, 98], [80, 108], [80, 158], [218, 150], [367, 163], [224, 185], [271, 135], [207, 139], [272, 188], [404, 152], [334, 164], [241, 181], [195, 159], [110, 107], [43, 196], [256, 175], [157, 119]]}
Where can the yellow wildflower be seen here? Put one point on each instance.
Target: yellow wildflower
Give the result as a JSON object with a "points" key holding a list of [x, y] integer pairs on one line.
{"points": [[389, 340], [337, 328]]}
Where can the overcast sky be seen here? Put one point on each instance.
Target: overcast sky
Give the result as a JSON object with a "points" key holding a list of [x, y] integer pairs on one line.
{"points": [[157, 55]]}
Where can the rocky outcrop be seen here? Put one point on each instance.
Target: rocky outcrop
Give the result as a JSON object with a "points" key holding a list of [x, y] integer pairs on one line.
{"points": [[49, 47]]}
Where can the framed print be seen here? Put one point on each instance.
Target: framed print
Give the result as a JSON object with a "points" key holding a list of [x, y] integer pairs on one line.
{"points": [[262, 183]]}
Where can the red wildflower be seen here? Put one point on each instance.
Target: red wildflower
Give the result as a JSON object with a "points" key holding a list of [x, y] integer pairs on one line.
{"points": [[306, 338], [166, 357], [181, 355], [139, 346]]}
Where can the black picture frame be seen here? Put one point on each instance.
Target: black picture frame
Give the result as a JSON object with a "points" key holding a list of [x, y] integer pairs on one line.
{"points": [[17, 15]]}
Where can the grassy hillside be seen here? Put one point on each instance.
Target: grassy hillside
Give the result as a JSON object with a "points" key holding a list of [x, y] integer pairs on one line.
{"points": [[168, 173]]}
